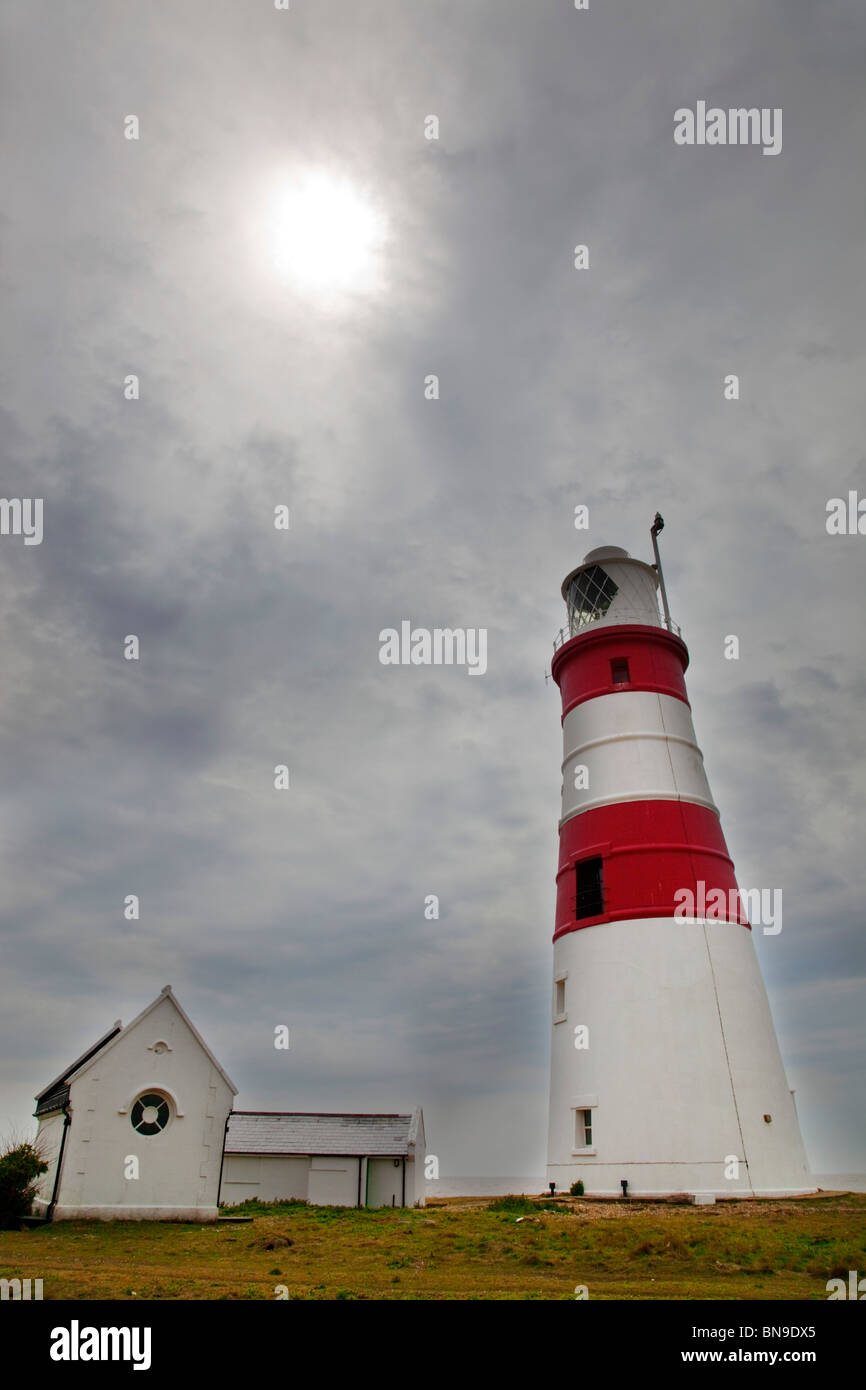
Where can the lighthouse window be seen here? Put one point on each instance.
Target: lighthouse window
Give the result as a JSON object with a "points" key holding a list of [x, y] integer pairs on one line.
{"points": [[589, 596], [560, 997], [583, 1129], [619, 671], [589, 892]]}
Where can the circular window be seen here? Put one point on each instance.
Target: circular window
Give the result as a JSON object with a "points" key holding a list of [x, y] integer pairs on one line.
{"points": [[150, 1114]]}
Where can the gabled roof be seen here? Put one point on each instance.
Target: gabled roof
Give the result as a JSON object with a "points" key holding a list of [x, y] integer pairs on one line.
{"points": [[269, 1132], [56, 1093], [60, 1087]]}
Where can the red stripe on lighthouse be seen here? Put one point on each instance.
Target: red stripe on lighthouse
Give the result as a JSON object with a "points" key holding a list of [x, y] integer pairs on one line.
{"points": [[650, 851], [583, 667]]}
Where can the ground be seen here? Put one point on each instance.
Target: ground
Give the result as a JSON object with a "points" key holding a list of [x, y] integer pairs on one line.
{"points": [[458, 1250]]}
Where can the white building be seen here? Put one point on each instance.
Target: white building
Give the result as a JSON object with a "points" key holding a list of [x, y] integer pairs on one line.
{"points": [[140, 1127], [327, 1160]]}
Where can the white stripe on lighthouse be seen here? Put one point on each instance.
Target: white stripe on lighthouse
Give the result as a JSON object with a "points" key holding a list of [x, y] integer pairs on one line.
{"points": [[636, 745], [681, 1065]]}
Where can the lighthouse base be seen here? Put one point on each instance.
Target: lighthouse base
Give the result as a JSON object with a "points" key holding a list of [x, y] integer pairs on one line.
{"points": [[665, 1070], [608, 1183]]}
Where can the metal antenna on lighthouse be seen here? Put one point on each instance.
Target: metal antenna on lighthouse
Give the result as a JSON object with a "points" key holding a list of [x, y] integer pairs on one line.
{"points": [[658, 525]]}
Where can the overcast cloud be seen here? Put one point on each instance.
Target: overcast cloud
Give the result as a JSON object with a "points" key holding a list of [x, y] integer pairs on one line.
{"points": [[558, 387]]}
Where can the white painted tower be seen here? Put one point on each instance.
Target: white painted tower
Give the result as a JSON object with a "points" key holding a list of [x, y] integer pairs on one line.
{"points": [[665, 1069]]}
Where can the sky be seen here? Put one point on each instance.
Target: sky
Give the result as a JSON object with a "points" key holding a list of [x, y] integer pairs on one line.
{"points": [[262, 384]]}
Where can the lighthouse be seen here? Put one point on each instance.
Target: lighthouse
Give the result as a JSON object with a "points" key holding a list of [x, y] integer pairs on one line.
{"points": [[666, 1074]]}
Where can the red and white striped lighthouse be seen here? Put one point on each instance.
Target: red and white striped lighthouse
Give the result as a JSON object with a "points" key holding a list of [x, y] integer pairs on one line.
{"points": [[665, 1069]]}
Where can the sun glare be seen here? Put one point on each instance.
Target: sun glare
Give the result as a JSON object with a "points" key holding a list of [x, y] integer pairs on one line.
{"points": [[326, 238]]}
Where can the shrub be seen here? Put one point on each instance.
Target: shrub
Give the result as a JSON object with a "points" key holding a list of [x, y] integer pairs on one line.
{"points": [[576, 1188], [20, 1167], [513, 1203]]}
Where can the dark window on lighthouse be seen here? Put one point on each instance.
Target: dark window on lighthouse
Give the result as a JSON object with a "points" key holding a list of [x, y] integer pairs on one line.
{"points": [[589, 596], [619, 671], [589, 895]]}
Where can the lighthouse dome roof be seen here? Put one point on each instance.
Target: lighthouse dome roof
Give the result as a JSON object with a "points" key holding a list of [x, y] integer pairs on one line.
{"points": [[606, 552]]}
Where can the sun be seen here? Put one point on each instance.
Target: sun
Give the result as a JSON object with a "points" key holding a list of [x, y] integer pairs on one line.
{"points": [[326, 237]]}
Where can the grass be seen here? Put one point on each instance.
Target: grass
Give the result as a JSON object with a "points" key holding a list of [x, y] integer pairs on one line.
{"points": [[457, 1250]]}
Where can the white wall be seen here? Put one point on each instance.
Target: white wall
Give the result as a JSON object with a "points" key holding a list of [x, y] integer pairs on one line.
{"points": [[416, 1186], [322, 1180], [179, 1168], [334, 1182], [269, 1177], [636, 745], [681, 1067], [416, 1183]]}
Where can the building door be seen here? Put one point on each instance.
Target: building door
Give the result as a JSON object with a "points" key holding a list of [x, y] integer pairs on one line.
{"points": [[333, 1182], [385, 1182]]}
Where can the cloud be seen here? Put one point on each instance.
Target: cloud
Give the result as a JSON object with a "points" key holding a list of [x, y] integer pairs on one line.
{"points": [[558, 387]]}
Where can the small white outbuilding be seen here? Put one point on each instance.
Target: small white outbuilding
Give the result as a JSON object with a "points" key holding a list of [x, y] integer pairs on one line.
{"points": [[327, 1160], [141, 1127]]}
